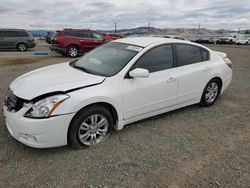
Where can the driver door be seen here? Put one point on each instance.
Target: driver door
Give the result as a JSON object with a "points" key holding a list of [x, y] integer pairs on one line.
{"points": [[144, 97]]}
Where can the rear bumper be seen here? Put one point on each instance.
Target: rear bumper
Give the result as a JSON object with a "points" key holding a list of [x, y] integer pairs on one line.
{"points": [[226, 81], [58, 49], [38, 133]]}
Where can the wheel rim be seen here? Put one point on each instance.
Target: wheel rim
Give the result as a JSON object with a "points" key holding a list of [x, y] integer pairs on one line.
{"points": [[73, 52], [93, 129], [22, 47], [211, 92]]}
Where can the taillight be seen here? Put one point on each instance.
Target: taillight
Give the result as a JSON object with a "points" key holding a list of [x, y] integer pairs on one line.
{"points": [[228, 62]]}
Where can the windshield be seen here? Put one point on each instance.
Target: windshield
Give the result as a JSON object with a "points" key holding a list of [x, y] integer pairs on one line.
{"points": [[107, 60]]}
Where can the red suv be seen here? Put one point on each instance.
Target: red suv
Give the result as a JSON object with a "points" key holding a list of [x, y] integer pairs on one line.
{"points": [[72, 42]]}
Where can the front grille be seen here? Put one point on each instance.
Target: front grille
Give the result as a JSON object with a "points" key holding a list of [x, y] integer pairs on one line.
{"points": [[13, 102]]}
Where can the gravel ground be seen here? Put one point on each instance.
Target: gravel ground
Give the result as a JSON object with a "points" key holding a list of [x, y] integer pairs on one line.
{"points": [[190, 147]]}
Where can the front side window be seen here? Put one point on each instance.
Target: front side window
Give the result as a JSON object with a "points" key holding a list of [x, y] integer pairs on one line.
{"points": [[187, 54], [108, 59], [97, 36], [20, 34], [156, 59], [84, 34]]}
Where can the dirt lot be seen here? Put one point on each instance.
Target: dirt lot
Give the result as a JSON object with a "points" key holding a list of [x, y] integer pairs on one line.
{"points": [[190, 147]]}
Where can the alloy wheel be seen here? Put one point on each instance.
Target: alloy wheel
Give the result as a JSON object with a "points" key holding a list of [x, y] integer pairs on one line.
{"points": [[73, 52], [93, 129], [22, 47], [211, 92]]}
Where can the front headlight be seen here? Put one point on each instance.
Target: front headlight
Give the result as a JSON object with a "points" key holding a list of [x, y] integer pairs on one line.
{"points": [[45, 107]]}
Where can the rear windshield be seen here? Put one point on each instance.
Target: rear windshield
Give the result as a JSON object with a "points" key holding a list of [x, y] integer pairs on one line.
{"points": [[57, 33]]}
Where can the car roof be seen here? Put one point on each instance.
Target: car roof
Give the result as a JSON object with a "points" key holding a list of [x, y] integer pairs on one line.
{"points": [[146, 41]]}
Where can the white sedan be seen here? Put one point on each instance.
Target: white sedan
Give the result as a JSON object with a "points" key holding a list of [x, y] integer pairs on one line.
{"points": [[243, 41], [126, 80]]}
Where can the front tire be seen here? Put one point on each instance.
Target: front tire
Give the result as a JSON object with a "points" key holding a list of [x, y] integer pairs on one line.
{"points": [[22, 47], [72, 51], [89, 127], [211, 92]]}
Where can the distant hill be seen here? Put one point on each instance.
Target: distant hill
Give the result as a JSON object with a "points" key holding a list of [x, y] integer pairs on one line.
{"points": [[169, 31], [40, 33], [154, 31]]}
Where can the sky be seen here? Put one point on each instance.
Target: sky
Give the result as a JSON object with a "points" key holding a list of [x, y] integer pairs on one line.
{"points": [[100, 14]]}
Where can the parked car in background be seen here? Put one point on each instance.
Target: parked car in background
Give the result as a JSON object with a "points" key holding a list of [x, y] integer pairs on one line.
{"points": [[16, 39], [243, 41], [124, 81], [225, 40], [48, 37], [213, 40], [113, 36], [72, 42], [231, 38]]}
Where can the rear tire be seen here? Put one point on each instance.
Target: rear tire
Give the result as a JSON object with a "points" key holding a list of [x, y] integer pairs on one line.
{"points": [[72, 51], [89, 127], [211, 93], [22, 47]]}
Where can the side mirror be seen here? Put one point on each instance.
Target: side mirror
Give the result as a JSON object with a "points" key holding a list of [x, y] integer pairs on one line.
{"points": [[139, 73]]}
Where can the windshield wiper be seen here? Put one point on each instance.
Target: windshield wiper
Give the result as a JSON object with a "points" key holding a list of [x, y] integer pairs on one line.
{"points": [[83, 69], [72, 64]]}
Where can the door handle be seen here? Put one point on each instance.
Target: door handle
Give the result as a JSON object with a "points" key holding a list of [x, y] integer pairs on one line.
{"points": [[171, 79], [95, 41], [207, 69], [81, 40]]}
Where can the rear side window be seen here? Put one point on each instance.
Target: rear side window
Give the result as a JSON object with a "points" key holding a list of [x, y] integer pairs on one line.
{"points": [[78, 34], [204, 54], [71, 33], [2, 33], [156, 59], [187, 54]]}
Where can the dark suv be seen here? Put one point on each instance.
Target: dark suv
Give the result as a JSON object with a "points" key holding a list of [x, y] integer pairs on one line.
{"points": [[72, 42], [16, 39]]}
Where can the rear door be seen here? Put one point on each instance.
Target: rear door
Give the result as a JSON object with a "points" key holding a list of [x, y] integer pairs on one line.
{"points": [[86, 40], [193, 71]]}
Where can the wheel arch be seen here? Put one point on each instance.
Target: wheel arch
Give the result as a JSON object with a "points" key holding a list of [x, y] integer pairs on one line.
{"points": [[219, 79], [73, 44], [113, 111]]}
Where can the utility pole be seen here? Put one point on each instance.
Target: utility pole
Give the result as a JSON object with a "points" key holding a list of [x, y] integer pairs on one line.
{"points": [[148, 25], [239, 30], [115, 26], [199, 28]]}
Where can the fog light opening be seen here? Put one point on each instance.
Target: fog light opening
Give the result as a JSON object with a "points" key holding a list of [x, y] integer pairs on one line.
{"points": [[28, 137]]}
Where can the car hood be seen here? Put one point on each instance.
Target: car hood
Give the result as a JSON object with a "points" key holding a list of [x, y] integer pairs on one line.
{"points": [[54, 78]]}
